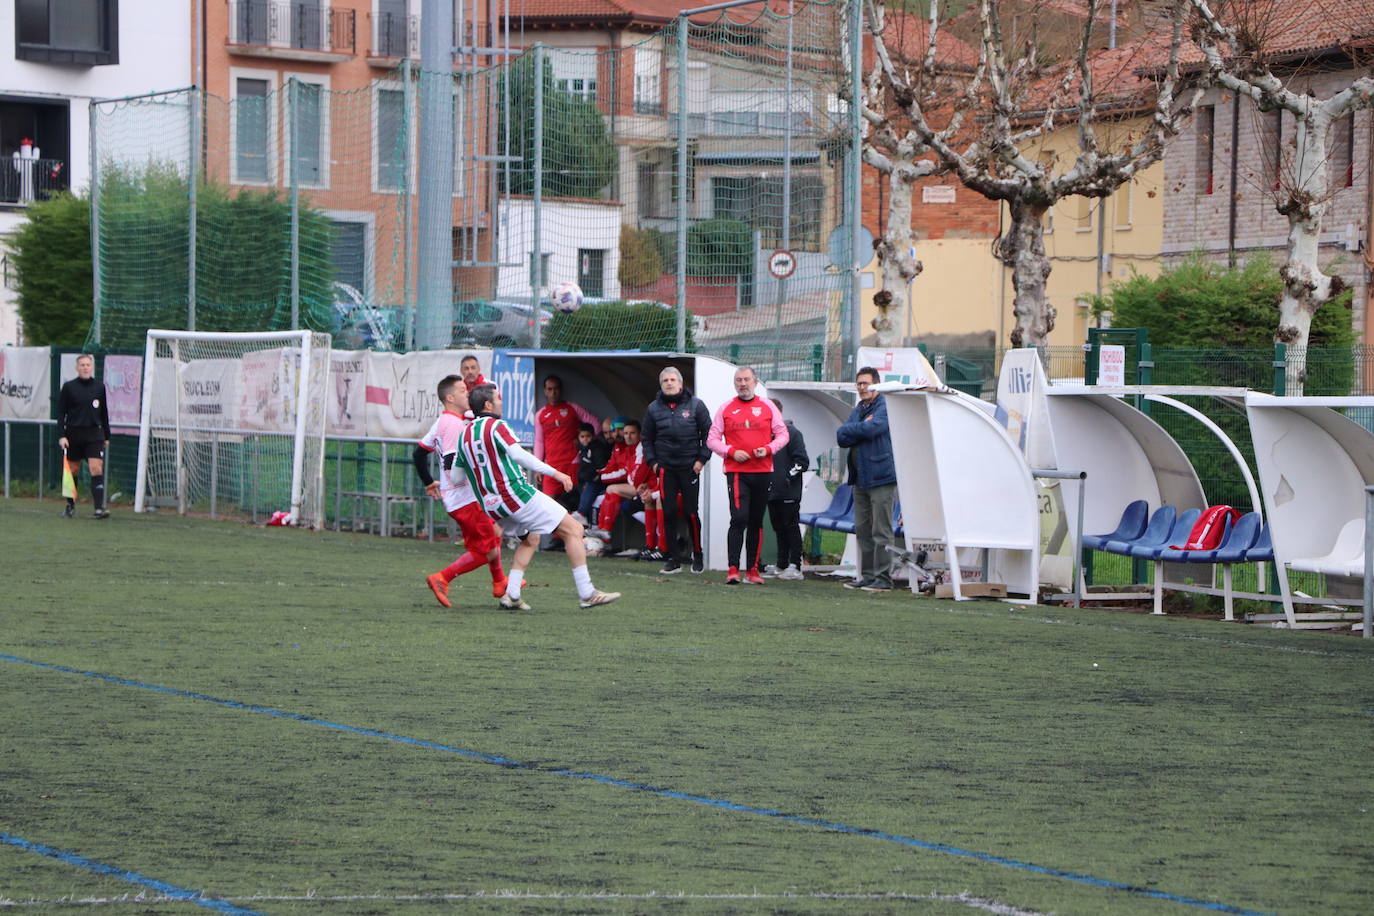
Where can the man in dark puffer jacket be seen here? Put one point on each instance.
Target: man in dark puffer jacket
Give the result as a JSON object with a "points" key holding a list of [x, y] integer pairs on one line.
{"points": [[674, 441]]}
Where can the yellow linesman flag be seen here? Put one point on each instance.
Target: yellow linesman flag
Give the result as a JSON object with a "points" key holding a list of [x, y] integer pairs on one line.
{"points": [[68, 481]]}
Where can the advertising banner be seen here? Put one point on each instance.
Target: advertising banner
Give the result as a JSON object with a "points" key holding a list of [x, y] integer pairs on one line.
{"points": [[907, 365], [123, 377], [267, 389], [514, 378], [25, 374], [347, 415], [400, 394]]}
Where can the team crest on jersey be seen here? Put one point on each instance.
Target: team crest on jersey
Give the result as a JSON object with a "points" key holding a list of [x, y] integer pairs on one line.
{"points": [[563, 412], [686, 415], [758, 411]]}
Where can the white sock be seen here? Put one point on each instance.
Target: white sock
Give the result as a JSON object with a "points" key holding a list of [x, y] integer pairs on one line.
{"points": [[583, 580], [513, 580]]}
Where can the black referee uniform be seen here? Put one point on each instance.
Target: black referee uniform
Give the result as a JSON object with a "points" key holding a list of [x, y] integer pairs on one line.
{"points": [[83, 417]]}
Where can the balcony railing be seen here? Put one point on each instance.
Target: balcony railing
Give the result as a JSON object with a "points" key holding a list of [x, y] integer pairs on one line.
{"points": [[23, 181], [395, 35], [302, 25]]}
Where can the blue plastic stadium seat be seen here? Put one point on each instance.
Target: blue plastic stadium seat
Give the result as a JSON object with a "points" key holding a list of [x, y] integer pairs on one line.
{"points": [[1131, 526], [1156, 533], [1263, 551], [841, 506], [1237, 544], [897, 529], [1183, 525]]}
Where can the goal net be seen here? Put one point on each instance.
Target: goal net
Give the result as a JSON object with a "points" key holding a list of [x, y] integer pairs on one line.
{"points": [[233, 424]]}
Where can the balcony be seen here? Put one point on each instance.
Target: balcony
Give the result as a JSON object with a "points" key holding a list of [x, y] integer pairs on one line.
{"points": [[23, 181], [394, 36], [299, 30]]}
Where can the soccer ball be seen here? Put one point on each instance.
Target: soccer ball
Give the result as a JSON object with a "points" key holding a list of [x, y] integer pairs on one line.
{"points": [[595, 546], [567, 296]]}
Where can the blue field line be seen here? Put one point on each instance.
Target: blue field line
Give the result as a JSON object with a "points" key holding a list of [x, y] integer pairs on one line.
{"points": [[170, 891], [665, 793]]}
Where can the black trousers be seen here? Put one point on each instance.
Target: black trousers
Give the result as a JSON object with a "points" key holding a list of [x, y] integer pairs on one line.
{"points": [[684, 482], [785, 515], [748, 496]]}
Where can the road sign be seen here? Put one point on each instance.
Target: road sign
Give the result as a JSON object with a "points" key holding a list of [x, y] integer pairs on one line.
{"points": [[782, 263]]}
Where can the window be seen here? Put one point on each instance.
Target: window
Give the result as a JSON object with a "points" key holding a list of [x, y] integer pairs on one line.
{"points": [[252, 130], [646, 189], [574, 71], [1123, 201], [1083, 213], [348, 253], [41, 169], [392, 28], [591, 271], [1206, 147], [1272, 145], [67, 31], [308, 133], [307, 24], [648, 81], [391, 139], [1342, 145]]}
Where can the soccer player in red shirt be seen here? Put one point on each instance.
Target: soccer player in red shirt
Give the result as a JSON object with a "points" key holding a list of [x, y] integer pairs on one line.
{"points": [[555, 433], [746, 432], [479, 532]]}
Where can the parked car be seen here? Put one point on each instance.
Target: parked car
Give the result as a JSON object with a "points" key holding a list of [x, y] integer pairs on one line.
{"points": [[363, 325], [496, 323]]}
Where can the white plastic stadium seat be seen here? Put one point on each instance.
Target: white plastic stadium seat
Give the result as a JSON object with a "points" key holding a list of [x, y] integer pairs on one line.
{"points": [[1345, 559]]}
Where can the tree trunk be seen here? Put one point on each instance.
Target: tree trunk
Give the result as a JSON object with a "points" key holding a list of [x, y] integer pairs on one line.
{"points": [[1023, 250], [899, 266], [1305, 287]]}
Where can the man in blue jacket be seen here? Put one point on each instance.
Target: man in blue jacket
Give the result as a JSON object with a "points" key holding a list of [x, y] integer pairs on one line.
{"points": [[873, 474]]}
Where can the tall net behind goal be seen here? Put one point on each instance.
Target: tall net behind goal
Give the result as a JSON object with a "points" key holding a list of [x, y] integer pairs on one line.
{"points": [[233, 424]]}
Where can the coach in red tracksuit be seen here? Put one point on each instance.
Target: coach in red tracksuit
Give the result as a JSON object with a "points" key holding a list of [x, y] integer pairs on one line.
{"points": [[746, 432]]}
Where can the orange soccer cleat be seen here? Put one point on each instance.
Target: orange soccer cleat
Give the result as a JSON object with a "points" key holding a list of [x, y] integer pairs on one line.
{"points": [[498, 587], [439, 585]]}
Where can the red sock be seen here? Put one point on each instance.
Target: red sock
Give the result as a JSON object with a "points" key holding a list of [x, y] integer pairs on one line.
{"points": [[651, 529], [610, 508], [497, 573], [466, 563]]}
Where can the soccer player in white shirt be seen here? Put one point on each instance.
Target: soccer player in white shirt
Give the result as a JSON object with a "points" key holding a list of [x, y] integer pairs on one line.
{"points": [[495, 465], [479, 534]]}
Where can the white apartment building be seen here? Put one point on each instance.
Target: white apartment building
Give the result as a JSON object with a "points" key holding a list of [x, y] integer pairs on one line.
{"points": [[56, 57]]}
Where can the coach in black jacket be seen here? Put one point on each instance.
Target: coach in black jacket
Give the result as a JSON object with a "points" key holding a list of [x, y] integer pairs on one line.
{"points": [[674, 437], [784, 502]]}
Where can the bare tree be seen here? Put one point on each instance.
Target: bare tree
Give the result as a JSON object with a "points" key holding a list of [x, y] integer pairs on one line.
{"points": [[986, 123], [899, 154], [1243, 44]]}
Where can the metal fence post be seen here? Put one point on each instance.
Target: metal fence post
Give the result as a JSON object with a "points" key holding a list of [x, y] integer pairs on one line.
{"points": [[1280, 366], [537, 247], [680, 278]]}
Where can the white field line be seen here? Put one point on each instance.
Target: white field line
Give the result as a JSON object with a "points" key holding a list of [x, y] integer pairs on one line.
{"points": [[975, 903]]}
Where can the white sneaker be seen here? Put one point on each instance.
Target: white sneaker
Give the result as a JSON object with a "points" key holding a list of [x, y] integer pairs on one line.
{"points": [[599, 597], [791, 574], [770, 572], [514, 604], [599, 533]]}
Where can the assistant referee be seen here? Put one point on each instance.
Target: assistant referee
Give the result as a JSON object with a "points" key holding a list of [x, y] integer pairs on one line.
{"points": [[83, 430]]}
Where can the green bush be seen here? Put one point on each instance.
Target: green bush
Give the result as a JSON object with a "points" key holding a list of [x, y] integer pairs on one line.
{"points": [[1211, 312], [51, 254], [640, 263], [616, 326], [720, 248], [243, 257]]}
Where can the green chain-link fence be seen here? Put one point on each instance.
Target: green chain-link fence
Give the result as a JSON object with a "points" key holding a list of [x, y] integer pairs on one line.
{"points": [[669, 173]]}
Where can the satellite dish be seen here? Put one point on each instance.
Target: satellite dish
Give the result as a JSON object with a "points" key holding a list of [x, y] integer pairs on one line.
{"points": [[837, 246]]}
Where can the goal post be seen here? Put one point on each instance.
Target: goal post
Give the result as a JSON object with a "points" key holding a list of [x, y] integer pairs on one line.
{"points": [[234, 423]]}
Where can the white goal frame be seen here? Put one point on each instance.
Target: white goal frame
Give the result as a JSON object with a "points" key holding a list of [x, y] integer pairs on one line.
{"points": [[303, 341]]}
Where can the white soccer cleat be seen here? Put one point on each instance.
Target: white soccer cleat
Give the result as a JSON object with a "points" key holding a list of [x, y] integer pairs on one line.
{"points": [[791, 574], [598, 598], [514, 604]]}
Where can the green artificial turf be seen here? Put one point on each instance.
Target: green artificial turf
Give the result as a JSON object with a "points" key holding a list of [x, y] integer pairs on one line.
{"points": [[1221, 763]]}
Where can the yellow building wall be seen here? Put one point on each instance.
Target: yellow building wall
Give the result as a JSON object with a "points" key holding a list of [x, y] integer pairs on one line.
{"points": [[963, 289]]}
